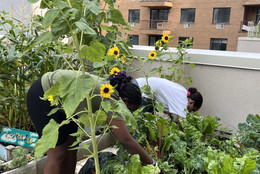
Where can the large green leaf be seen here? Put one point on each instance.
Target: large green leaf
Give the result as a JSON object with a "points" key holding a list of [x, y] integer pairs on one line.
{"points": [[74, 90], [95, 52], [93, 6], [100, 117], [54, 90], [48, 140], [59, 27], [49, 17], [83, 26], [117, 17]]}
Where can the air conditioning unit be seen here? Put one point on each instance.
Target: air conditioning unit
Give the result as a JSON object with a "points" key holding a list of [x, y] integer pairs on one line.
{"points": [[219, 26], [133, 24], [159, 25], [186, 25]]}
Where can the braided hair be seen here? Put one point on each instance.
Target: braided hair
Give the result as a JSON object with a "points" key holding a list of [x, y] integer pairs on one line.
{"points": [[125, 88], [196, 96]]}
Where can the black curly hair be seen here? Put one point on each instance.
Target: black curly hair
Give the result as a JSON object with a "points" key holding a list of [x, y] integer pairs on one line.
{"points": [[126, 88]]}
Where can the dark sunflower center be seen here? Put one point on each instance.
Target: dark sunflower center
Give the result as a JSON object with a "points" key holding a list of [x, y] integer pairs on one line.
{"points": [[106, 90], [115, 72], [152, 55], [115, 52], [166, 38]]}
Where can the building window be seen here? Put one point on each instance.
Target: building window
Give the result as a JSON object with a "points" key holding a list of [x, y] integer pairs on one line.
{"points": [[153, 39], [188, 15], [218, 44], [158, 16], [258, 15], [182, 39], [221, 15], [134, 39], [134, 16]]}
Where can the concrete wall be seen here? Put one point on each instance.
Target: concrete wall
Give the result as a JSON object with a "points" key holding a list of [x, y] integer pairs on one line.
{"points": [[228, 81], [246, 44]]}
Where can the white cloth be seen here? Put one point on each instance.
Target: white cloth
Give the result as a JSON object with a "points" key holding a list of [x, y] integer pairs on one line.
{"points": [[172, 95]]}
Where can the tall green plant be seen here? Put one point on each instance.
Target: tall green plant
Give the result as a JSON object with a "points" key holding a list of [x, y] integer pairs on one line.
{"points": [[20, 67], [84, 24]]}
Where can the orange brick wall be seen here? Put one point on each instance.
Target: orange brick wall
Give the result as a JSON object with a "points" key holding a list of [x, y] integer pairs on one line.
{"points": [[202, 30]]}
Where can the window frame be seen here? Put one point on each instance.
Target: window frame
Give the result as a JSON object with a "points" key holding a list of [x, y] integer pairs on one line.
{"points": [[220, 22], [222, 39], [133, 20], [183, 10]]}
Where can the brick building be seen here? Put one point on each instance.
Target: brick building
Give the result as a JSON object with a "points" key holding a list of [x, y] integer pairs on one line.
{"points": [[213, 24]]}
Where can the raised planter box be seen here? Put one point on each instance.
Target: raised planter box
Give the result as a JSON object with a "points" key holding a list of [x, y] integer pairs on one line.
{"points": [[36, 167]]}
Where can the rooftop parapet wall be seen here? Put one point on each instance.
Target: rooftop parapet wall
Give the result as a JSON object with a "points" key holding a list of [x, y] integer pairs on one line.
{"points": [[228, 81]]}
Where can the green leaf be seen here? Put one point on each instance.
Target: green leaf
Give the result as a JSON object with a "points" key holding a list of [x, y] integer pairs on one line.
{"points": [[53, 111], [93, 6], [159, 107], [32, 1], [84, 119], [117, 17], [101, 117], [99, 64], [106, 105], [83, 26], [95, 52], [48, 140], [74, 90], [59, 27], [54, 90], [49, 17], [107, 28]]}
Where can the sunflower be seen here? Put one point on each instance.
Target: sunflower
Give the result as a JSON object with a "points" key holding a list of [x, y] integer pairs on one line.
{"points": [[114, 71], [152, 55], [165, 38], [113, 51], [123, 59], [158, 43], [106, 90]]}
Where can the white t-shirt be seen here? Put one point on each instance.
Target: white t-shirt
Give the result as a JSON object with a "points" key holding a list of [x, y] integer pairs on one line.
{"points": [[172, 95]]}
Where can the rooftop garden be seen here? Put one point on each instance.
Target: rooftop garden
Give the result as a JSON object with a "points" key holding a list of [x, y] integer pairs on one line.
{"points": [[89, 37]]}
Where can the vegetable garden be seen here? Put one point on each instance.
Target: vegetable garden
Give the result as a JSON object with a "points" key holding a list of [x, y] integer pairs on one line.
{"points": [[88, 36]]}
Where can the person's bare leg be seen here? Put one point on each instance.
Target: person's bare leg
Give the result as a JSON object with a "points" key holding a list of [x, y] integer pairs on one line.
{"points": [[56, 160], [71, 160]]}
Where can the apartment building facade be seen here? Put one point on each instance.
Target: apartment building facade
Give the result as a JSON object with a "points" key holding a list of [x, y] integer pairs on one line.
{"points": [[214, 24]]}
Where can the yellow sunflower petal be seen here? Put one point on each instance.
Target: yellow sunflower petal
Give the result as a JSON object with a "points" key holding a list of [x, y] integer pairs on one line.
{"points": [[152, 55], [114, 71], [106, 90], [165, 38]]}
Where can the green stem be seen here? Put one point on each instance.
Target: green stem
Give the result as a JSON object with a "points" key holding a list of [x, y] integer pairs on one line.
{"points": [[93, 135]]}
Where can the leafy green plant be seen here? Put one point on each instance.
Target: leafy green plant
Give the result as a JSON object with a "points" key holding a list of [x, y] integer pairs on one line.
{"points": [[249, 132], [19, 157]]}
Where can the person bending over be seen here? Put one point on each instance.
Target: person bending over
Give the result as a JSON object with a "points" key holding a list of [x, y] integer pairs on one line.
{"points": [[60, 160]]}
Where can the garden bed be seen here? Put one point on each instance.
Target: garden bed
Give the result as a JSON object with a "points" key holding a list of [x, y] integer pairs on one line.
{"points": [[36, 167]]}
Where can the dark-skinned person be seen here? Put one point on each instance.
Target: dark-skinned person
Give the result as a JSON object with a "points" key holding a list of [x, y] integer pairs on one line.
{"points": [[174, 97], [61, 160]]}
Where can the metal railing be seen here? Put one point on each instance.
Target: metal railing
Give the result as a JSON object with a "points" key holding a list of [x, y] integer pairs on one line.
{"points": [[252, 28]]}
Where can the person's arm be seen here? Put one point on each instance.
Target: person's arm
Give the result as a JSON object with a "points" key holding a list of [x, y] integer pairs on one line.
{"points": [[130, 144]]}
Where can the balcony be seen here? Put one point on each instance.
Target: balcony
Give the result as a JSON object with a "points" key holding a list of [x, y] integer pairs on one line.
{"points": [[156, 3], [155, 26], [229, 81]]}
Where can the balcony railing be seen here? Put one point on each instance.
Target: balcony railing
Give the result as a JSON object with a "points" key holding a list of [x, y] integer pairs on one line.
{"points": [[157, 3], [154, 24], [251, 28]]}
